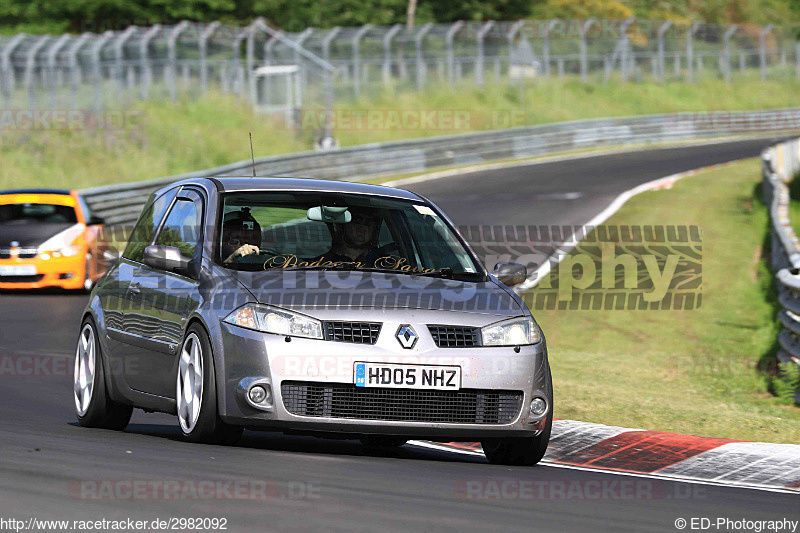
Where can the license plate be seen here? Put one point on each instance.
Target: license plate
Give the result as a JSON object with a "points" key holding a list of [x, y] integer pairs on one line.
{"points": [[397, 376], [17, 270]]}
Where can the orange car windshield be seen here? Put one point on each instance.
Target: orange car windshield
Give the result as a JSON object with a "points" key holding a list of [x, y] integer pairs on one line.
{"points": [[33, 213]]}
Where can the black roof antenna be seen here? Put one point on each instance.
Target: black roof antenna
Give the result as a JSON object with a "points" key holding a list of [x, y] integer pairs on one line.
{"points": [[252, 156]]}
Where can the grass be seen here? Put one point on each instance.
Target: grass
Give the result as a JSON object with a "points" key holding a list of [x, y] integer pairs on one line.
{"points": [[692, 371], [169, 138]]}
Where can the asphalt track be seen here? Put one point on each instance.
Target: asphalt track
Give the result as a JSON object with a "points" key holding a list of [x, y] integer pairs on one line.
{"points": [[52, 469]]}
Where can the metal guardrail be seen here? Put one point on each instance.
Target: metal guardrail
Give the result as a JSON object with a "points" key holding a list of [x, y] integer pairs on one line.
{"points": [[120, 204], [781, 164]]}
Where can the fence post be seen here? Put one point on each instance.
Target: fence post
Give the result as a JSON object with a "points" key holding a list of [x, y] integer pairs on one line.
{"points": [[268, 59], [202, 45], [479, 61], [420, 35], [624, 45], [448, 39], [250, 57], [690, 50], [144, 60], [30, 65], [326, 42], [546, 50], [662, 71], [52, 65], [74, 67], [8, 81], [797, 58], [386, 69], [762, 49], [357, 58], [301, 74], [727, 40], [172, 57], [584, 28], [97, 72], [119, 45]]}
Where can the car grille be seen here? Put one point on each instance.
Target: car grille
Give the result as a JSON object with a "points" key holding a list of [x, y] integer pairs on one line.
{"points": [[21, 279], [23, 253], [338, 400], [455, 336], [357, 332]]}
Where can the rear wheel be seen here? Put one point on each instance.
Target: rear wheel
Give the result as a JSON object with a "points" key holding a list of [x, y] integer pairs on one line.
{"points": [[196, 393], [379, 441], [93, 407]]}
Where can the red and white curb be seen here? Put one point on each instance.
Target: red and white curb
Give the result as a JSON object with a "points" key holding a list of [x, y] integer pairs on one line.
{"points": [[661, 455]]}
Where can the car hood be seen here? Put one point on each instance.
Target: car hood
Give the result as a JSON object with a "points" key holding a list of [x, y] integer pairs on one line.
{"points": [[29, 235], [308, 290]]}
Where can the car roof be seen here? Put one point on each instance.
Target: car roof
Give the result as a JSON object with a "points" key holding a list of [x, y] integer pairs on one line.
{"points": [[235, 183], [36, 191]]}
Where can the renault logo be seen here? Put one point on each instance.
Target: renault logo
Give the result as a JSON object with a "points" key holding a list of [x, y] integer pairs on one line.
{"points": [[407, 336]]}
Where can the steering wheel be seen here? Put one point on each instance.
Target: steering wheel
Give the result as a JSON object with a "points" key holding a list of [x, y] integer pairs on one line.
{"points": [[386, 249]]}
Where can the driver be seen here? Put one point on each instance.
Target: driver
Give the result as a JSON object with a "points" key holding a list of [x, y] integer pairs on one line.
{"points": [[355, 239], [241, 235]]}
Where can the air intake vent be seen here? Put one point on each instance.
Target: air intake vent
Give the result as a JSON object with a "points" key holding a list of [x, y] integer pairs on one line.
{"points": [[455, 336], [339, 400], [356, 332]]}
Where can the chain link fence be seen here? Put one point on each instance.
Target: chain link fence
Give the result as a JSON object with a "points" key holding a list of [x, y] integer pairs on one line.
{"points": [[281, 71]]}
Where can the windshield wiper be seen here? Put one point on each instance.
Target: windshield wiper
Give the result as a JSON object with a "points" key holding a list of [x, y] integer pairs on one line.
{"points": [[447, 273], [444, 273], [347, 267]]}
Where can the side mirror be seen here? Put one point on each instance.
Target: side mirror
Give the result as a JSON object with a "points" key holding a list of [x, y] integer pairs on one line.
{"points": [[510, 274], [167, 258], [95, 220]]}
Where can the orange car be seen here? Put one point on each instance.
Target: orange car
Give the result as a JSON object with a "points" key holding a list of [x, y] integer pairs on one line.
{"points": [[47, 239]]}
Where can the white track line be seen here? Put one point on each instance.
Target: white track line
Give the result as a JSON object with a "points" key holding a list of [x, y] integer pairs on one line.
{"points": [[658, 184], [673, 478]]}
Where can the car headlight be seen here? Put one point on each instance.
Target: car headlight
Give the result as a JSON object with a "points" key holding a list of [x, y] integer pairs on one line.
{"points": [[273, 320], [67, 251], [514, 332]]}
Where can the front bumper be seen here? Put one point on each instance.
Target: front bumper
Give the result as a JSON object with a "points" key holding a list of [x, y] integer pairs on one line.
{"points": [[251, 357], [63, 272]]}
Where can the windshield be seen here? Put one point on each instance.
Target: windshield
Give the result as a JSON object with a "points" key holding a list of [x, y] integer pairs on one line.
{"points": [[34, 213], [280, 230]]}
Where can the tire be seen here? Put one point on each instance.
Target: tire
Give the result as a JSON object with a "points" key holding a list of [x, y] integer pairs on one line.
{"points": [[93, 407], [521, 451], [379, 441], [196, 399], [518, 451]]}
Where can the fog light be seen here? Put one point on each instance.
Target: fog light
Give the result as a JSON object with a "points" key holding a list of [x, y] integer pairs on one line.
{"points": [[538, 406], [258, 394]]}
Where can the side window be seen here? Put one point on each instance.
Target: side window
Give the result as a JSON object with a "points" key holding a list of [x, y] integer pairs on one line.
{"points": [[145, 228], [183, 226]]}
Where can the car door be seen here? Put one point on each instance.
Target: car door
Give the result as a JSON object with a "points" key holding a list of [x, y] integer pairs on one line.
{"points": [[166, 299], [116, 298]]}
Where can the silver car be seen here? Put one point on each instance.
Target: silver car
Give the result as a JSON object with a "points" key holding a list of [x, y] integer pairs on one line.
{"points": [[307, 306]]}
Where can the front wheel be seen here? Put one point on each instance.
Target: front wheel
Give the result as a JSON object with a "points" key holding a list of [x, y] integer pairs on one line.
{"points": [[93, 407], [196, 393], [519, 451]]}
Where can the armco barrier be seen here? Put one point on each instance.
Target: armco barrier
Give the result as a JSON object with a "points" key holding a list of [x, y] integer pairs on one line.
{"points": [[120, 204], [781, 164]]}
